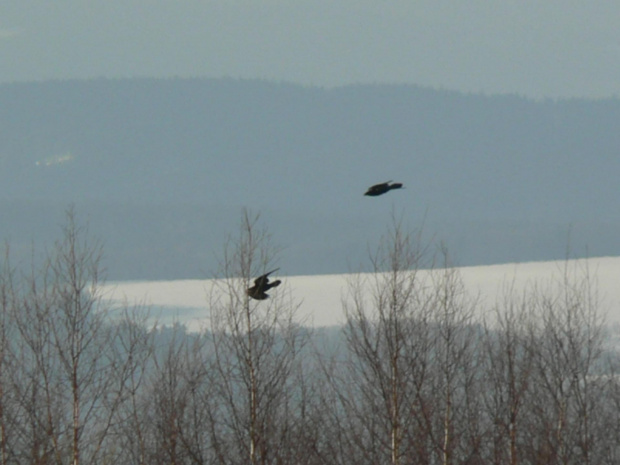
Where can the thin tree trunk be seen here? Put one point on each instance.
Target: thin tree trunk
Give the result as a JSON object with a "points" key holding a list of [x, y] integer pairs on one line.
{"points": [[447, 439], [76, 417], [253, 387], [3, 451], [395, 413]]}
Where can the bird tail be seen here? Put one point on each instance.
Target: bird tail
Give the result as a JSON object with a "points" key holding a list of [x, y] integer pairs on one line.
{"points": [[274, 284]]}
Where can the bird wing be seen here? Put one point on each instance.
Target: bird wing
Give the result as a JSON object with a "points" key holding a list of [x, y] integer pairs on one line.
{"points": [[263, 279], [380, 185]]}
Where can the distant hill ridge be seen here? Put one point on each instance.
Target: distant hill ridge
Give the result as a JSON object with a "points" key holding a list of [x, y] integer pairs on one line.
{"points": [[161, 169]]}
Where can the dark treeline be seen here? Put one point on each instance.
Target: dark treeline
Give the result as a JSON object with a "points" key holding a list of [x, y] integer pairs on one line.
{"points": [[418, 374], [155, 159]]}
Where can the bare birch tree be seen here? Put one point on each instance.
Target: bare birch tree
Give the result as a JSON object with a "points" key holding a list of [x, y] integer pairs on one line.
{"points": [[8, 424], [67, 390], [567, 394], [256, 344], [509, 363], [452, 403], [133, 352], [380, 383]]}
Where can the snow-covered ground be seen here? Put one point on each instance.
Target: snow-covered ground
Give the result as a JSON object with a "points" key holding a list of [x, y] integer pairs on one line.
{"points": [[321, 296]]}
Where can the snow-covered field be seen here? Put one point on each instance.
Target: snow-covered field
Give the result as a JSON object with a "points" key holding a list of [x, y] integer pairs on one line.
{"points": [[320, 297]]}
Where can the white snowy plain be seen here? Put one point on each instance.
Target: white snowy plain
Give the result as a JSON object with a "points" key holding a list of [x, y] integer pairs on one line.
{"points": [[320, 297]]}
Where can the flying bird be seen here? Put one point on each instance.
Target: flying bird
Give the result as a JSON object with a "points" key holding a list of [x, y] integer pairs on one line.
{"points": [[379, 189], [261, 285]]}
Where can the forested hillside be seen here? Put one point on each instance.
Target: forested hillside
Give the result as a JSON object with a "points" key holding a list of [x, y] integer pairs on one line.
{"points": [[163, 167]]}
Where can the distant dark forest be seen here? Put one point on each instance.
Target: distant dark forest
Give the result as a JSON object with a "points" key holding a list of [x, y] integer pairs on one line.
{"points": [[162, 168]]}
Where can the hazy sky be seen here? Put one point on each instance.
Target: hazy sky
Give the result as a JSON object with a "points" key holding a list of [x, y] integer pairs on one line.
{"points": [[550, 48]]}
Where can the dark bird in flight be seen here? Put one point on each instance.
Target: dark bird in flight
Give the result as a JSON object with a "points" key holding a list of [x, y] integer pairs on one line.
{"points": [[379, 189], [262, 285]]}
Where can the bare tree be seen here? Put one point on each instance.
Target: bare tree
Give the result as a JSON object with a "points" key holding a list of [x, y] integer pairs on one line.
{"points": [[7, 306], [452, 403], [568, 352], [169, 401], [256, 344], [133, 352], [607, 420], [175, 410], [67, 378], [79, 336], [43, 421], [509, 363], [385, 336]]}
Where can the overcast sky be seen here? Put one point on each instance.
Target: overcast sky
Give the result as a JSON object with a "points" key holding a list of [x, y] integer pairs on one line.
{"points": [[550, 48]]}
